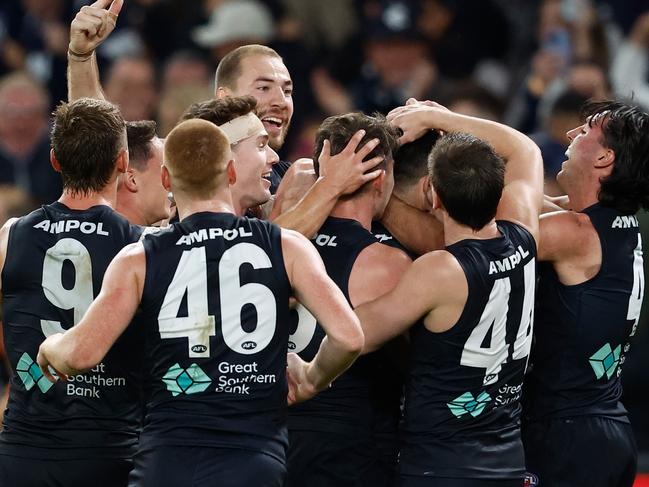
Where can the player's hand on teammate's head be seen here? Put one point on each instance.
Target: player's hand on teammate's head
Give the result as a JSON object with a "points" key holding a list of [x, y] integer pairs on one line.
{"points": [[93, 24], [43, 359], [348, 170], [415, 118]]}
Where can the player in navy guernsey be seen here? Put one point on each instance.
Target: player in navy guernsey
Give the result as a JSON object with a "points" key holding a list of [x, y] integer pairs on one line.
{"points": [[213, 294], [471, 304], [332, 435], [591, 286], [54, 260]]}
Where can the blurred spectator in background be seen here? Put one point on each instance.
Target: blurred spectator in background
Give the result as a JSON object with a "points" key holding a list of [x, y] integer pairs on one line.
{"points": [[233, 24], [24, 138], [131, 85], [186, 68], [553, 141], [174, 101], [469, 98], [35, 39], [629, 70]]}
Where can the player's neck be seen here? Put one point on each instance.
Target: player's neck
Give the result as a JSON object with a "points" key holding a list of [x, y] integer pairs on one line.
{"points": [[580, 200], [220, 202], [456, 232], [360, 209], [83, 201]]}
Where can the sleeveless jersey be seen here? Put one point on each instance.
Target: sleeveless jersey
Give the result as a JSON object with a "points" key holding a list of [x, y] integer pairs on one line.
{"points": [[583, 330], [55, 263], [346, 407], [215, 313], [463, 394], [384, 236]]}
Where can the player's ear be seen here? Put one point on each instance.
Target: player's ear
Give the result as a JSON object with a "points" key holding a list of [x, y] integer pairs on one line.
{"points": [[222, 92], [130, 181], [165, 177], [425, 195], [122, 161], [232, 173], [378, 183], [436, 202], [55, 164], [605, 160]]}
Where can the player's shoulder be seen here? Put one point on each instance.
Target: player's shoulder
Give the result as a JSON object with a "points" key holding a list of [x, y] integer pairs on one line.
{"points": [[566, 233], [386, 257]]}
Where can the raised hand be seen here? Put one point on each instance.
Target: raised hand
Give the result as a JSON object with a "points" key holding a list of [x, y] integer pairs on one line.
{"points": [[92, 25], [347, 170]]}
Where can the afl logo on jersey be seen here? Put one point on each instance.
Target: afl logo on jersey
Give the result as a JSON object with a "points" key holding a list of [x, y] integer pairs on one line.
{"points": [[291, 345], [248, 345], [199, 348], [531, 480]]}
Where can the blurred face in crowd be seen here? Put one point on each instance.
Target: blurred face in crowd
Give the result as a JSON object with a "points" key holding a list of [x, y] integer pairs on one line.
{"points": [[253, 162], [23, 116], [267, 79], [131, 85]]}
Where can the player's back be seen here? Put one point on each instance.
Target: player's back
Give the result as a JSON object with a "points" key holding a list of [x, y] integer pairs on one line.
{"points": [[463, 393], [215, 313], [583, 330], [54, 266]]}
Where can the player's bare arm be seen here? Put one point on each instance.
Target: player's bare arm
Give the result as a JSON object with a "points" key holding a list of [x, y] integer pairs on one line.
{"points": [[340, 174], [575, 259], [433, 288], [522, 197], [4, 241], [85, 345], [315, 290], [377, 270], [90, 27], [417, 230]]}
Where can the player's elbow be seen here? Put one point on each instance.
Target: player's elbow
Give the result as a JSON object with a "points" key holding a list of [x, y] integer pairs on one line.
{"points": [[352, 339]]}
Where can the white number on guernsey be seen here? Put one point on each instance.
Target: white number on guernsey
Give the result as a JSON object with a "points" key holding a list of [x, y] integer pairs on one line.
{"points": [[635, 300], [198, 326], [306, 325], [80, 295], [494, 319], [234, 297]]}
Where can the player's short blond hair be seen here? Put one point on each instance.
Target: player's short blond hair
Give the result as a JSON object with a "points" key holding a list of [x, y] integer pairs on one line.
{"points": [[196, 153]]}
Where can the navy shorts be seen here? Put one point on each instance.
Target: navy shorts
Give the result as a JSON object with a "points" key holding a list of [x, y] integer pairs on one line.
{"points": [[30, 472], [176, 466], [420, 481], [587, 450], [324, 459]]}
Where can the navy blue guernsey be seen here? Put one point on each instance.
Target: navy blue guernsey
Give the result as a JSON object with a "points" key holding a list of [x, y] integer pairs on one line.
{"points": [[583, 331], [215, 313], [346, 407], [55, 263], [462, 408], [384, 236]]}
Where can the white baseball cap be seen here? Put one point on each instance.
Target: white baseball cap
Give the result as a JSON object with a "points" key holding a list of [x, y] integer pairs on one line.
{"points": [[235, 19]]}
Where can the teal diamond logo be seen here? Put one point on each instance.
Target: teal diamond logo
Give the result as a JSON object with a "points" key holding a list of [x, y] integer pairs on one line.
{"points": [[30, 374], [605, 361], [186, 381], [468, 404]]}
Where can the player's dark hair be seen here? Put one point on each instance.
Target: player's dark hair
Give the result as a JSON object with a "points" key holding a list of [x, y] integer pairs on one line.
{"points": [[229, 69], [140, 134], [411, 159], [339, 129], [87, 135], [221, 110], [625, 130], [468, 176]]}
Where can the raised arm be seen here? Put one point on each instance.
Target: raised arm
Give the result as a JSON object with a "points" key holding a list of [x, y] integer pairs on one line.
{"points": [[90, 27], [419, 231], [522, 197], [315, 290], [83, 346], [341, 174]]}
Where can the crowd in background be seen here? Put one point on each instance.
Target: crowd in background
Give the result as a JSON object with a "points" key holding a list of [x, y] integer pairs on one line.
{"points": [[528, 63]]}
